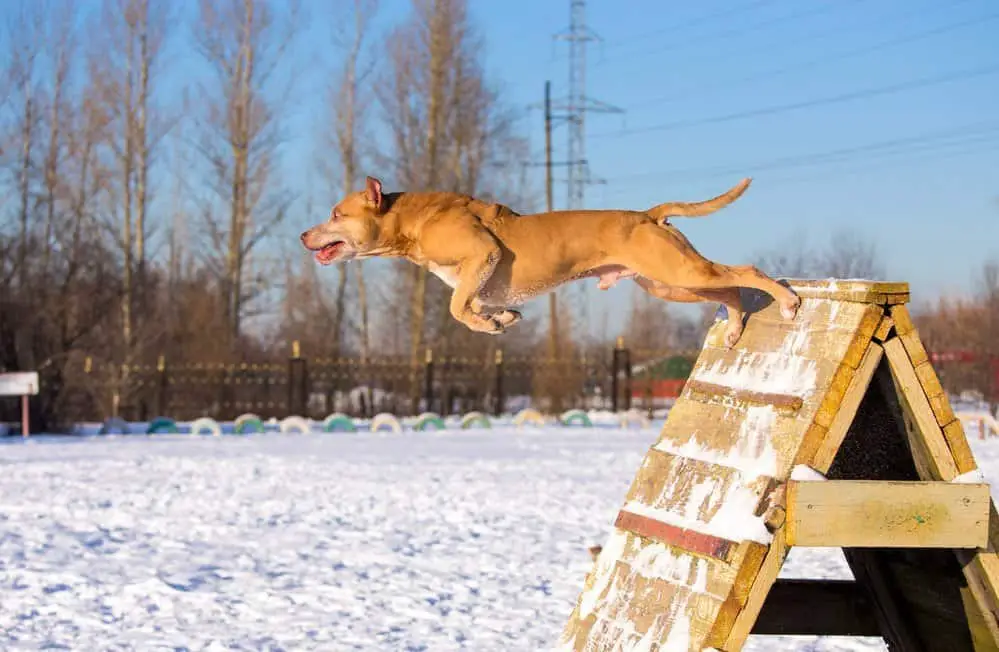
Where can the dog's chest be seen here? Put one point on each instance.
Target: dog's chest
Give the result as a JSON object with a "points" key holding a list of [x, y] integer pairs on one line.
{"points": [[448, 274]]}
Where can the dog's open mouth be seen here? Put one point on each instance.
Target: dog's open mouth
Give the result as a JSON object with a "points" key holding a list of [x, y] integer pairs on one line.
{"points": [[330, 252]]}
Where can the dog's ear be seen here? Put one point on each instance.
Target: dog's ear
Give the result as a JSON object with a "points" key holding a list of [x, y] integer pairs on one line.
{"points": [[373, 191]]}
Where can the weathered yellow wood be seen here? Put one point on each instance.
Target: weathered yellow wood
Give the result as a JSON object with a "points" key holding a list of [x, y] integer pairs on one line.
{"points": [[749, 561], [711, 392], [869, 323], [914, 348], [765, 578], [883, 514], [834, 395], [982, 636], [964, 459], [699, 544], [924, 431], [856, 291], [903, 320], [822, 459], [884, 328]]}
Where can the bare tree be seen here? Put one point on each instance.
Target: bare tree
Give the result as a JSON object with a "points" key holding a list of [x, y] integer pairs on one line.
{"points": [[244, 43], [349, 100], [850, 255], [446, 123], [124, 64], [25, 36]]}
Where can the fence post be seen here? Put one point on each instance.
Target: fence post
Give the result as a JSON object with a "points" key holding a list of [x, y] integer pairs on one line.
{"points": [[626, 368], [498, 410], [428, 380], [298, 382], [162, 383], [615, 378]]}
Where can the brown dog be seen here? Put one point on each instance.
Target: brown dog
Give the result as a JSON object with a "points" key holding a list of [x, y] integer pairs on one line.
{"points": [[494, 258]]}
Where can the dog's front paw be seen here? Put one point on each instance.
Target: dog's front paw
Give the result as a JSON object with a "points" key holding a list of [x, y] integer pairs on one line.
{"points": [[488, 325], [507, 318]]}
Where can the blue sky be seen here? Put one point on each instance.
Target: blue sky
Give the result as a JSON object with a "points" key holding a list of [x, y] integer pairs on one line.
{"points": [[877, 115], [872, 115]]}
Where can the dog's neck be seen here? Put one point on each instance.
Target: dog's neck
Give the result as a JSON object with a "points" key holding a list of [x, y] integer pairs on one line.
{"points": [[403, 215]]}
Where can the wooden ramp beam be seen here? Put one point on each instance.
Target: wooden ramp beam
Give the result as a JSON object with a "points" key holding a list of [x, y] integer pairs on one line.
{"points": [[847, 389], [882, 514]]}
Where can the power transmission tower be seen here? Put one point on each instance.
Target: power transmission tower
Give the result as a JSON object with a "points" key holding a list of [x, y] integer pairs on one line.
{"points": [[575, 107]]}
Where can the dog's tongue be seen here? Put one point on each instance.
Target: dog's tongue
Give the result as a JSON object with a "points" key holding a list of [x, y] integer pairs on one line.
{"points": [[327, 254]]}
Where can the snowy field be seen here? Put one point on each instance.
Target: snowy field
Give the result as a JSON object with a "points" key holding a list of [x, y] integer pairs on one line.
{"points": [[461, 540]]}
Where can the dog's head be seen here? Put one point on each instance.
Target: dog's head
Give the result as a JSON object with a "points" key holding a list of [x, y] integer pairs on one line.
{"points": [[353, 228]]}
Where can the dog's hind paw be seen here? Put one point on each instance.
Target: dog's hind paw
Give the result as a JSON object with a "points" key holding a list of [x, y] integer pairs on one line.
{"points": [[789, 308]]}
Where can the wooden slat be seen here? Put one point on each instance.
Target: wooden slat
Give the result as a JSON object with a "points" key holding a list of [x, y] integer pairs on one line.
{"points": [[981, 634], [902, 319], [822, 459], [853, 291], [938, 461], [884, 328], [765, 578], [881, 514], [677, 537], [816, 608], [960, 448], [700, 390], [914, 347]]}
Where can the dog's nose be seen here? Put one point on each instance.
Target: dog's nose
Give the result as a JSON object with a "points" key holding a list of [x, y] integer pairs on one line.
{"points": [[305, 234]]}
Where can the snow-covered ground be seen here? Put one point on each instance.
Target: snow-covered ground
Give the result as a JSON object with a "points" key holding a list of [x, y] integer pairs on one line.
{"points": [[471, 540]]}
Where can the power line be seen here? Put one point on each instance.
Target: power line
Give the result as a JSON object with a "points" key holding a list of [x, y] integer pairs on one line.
{"points": [[985, 140], [978, 145], [675, 45], [795, 106], [730, 11], [893, 146], [682, 94], [812, 35]]}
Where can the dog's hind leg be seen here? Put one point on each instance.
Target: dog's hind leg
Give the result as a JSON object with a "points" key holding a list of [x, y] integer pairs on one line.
{"points": [[665, 255], [728, 297]]}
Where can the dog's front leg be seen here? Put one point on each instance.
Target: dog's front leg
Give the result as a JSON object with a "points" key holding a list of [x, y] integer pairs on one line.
{"points": [[475, 271]]}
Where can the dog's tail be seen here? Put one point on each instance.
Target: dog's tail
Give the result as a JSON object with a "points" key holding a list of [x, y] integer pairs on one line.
{"points": [[697, 209]]}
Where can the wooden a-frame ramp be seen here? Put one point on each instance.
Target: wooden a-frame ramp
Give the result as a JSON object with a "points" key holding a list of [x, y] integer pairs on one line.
{"points": [[828, 430]]}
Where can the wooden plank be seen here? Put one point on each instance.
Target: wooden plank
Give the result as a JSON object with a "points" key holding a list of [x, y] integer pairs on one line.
{"points": [[902, 319], [959, 447], [981, 635], [884, 328], [689, 493], [914, 347], [716, 432], [938, 461], [677, 537], [743, 571], [858, 347], [981, 570], [823, 457], [816, 608], [853, 291], [701, 390], [881, 514], [816, 333], [767, 574]]}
